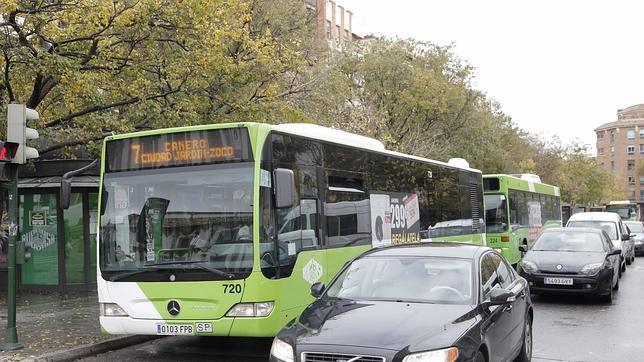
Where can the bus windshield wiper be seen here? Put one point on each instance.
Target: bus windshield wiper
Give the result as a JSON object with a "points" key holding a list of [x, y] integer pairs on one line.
{"points": [[199, 265], [124, 275]]}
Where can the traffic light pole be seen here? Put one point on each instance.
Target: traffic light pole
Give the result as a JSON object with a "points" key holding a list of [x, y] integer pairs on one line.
{"points": [[11, 333]]}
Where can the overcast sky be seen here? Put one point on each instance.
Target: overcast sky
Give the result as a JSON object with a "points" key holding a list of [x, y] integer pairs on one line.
{"points": [[556, 67]]}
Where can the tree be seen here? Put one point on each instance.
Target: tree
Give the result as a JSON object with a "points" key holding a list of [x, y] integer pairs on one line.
{"points": [[96, 67]]}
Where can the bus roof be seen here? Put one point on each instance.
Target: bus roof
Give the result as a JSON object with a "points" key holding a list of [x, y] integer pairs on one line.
{"points": [[312, 131], [527, 182]]}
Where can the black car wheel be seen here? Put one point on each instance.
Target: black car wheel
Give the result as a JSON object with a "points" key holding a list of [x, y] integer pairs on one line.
{"points": [[526, 348], [479, 357]]}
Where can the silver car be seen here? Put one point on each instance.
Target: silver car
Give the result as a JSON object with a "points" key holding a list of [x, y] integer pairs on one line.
{"points": [[637, 234]]}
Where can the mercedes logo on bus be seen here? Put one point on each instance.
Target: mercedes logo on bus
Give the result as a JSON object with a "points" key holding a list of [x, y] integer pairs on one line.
{"points": [[174, 308], [559, 266]]}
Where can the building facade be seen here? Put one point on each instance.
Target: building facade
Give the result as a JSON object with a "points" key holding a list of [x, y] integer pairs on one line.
{"points": [[335, 23], [620, 150]]}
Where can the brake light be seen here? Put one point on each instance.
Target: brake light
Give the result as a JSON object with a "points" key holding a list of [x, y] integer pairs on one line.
{"points": [[505, 238]]}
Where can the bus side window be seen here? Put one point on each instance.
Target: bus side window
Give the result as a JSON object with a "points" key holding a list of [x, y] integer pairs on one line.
{"points": [[295, 229]]}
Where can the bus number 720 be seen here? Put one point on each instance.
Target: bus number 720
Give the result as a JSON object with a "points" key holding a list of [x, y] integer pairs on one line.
{"points": [[232, 288]]}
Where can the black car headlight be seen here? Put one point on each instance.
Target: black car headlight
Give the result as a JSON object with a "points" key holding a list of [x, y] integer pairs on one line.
{"points": [[439, 355], [594, 268], [281, 350], [528, 266]]}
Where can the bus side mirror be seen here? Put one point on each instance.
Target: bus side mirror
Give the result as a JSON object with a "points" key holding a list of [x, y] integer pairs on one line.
{"points": [[523, 248], [284, 188]]}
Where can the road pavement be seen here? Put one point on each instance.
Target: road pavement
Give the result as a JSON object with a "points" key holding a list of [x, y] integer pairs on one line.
{"points": [[565, 329]]}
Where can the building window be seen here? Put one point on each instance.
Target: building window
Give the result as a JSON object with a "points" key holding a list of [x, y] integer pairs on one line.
{"points": [[630, 134], [641, 149], [600, 135], [632, 198], [612, 165], [612, 150], [612, 135], [631, 180], [641, 195], [630, 165], [641, 132], [641, 180], [600, 151], [630, 149]]}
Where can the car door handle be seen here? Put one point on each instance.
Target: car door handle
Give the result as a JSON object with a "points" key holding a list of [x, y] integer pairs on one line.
{"points": [[508, 308]]}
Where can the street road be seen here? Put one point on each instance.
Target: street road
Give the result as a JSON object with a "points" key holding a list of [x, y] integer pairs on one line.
{"points": [[565, 329]]}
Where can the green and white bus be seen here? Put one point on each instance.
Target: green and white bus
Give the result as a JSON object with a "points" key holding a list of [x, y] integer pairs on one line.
{"points": [[626, 209], [222, 229], [517, 207]]}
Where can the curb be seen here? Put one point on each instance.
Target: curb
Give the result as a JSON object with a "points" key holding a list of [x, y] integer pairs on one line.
{"points": [[97, 348]]}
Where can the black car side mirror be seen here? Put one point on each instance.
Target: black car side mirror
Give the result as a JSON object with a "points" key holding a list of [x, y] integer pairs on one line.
{"points": [[523, 248], [632, 236], [317, 289], [615, 252], [501, 296], [625, 237]]}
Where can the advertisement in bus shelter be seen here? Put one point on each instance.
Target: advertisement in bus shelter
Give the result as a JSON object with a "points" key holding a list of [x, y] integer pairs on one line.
{"points": [[394, 218]]}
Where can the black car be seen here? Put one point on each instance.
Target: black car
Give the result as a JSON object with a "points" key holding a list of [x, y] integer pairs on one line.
{"points": [[422, 302], [573, 260], [637, 233]]}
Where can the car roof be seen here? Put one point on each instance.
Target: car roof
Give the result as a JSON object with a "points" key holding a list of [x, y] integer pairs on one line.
{"points": [[439, 249], [595, 216], [572, 229]]}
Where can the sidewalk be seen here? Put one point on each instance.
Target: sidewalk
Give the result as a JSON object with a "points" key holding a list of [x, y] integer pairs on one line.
{"points": [[52, 322]]}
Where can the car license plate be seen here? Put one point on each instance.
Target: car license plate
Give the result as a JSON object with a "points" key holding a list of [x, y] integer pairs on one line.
{"points": [[559, 281], [174, 329]]}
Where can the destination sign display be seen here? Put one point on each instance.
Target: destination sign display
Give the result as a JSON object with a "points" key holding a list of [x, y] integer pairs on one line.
{"points": [[179, 149]]}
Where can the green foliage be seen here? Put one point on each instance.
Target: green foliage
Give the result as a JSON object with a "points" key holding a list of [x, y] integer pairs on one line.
{"points": [[96, 67]]}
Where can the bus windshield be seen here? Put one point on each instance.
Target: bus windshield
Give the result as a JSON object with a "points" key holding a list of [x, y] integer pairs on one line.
{"points": [[496, 213], [178, 216], [624, 212]]}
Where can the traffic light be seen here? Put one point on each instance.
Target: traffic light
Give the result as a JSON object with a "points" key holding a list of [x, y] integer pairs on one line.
{"points": [[18, 132], [8, 151]]}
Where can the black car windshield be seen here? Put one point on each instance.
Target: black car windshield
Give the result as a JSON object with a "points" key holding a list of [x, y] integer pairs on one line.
{"points": [[407, 279], [635, 227], [496, 212], [569, 241], [191, 218], [608, 226]]}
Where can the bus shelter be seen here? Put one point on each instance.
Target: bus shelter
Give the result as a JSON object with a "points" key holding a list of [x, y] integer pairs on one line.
{"points": [[57, 248]]}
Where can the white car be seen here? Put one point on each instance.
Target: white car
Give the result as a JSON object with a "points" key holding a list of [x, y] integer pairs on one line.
{"points": [[614, 227]]}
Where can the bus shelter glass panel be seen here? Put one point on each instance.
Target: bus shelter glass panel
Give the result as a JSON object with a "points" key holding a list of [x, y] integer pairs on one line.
{"points": [[39, 232], [74, 241]]}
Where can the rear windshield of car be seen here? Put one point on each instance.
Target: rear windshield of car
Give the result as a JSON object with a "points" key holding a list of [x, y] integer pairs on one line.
{"points": [[635, 227], [608, 226], [569, 241], [408, 279]]}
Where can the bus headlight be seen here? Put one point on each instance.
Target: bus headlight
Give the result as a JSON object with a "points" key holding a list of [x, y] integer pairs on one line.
{"points": [[282, 351], [112, 310], [440, 355], [261, 309]]}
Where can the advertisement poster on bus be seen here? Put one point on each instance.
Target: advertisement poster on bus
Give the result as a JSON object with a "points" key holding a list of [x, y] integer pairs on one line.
{"points": [[534, 220], [395, 218]]}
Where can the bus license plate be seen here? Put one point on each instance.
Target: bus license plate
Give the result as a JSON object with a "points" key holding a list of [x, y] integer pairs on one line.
{"points": [[559, 281], [174, 329]]}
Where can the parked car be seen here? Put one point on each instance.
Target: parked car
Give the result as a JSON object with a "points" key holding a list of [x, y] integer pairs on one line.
{"points": [[637, 234], [422, 302], [573, 260], [611, 223]]}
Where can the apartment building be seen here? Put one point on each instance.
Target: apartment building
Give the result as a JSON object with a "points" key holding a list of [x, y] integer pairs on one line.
{"points": [[620, 150], [335, 23]]}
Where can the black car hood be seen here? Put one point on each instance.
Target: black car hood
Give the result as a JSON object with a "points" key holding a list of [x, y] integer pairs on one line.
{"points": [[386, 325], [547, 261]]}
